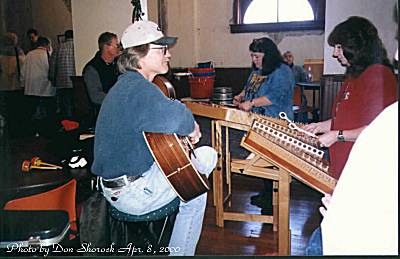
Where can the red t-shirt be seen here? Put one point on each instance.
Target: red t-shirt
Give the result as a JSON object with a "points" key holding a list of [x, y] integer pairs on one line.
{"points": [[358, 102]]}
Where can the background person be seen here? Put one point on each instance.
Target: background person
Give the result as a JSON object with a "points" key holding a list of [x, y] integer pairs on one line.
{"points": [[299, 76], [298, 71], [33, 36], [370, 86], [268, 91], [62, 67], [12, 59], [39, 88], [101, 73], [135, 105]]}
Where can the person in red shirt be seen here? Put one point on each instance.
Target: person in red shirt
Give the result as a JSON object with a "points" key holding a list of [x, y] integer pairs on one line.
{"points": [[369, 87]]}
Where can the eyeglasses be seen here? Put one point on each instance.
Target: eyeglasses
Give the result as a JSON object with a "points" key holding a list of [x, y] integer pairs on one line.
{"points": [[163, 48]]}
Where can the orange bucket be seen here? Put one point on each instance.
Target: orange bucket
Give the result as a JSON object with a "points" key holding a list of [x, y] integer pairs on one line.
{"points": [[202, 82]]}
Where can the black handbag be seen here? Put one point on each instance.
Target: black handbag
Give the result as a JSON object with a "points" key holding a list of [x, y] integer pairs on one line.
{"points": [[94, 226]]}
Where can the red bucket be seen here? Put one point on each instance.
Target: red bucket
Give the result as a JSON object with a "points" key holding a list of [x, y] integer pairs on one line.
{"points": [[201, 82], [200, 72]]}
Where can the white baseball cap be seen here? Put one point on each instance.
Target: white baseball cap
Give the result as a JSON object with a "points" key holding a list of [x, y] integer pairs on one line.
{"points": [[143, 32]]}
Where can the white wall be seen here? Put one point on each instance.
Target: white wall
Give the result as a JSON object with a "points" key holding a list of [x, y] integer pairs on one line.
{"points": [[51, 18], [380, 13], [201, 25], [204, 34], [90, 18]]}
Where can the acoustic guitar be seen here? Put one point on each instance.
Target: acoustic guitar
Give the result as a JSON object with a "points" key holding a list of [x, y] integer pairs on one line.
{"points": [[172, 155]]}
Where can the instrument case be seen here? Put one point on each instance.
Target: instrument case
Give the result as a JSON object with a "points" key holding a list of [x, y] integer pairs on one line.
{"points": [[33, 228]]}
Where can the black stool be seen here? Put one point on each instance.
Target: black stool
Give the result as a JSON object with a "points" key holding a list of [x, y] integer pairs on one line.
{"points": [[149, 234]]}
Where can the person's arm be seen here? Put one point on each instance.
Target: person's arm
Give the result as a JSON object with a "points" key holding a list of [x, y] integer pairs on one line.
{"points": [[196, 134], [331, 137], [165, 116], [256, 102], [237, 99], [93, 84]]}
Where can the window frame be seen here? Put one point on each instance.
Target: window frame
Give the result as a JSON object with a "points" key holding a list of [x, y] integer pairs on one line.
{"points": [[240, 7]]}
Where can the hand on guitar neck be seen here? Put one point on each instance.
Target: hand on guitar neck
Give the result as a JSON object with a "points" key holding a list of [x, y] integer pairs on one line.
{"points": [[195, 136]]}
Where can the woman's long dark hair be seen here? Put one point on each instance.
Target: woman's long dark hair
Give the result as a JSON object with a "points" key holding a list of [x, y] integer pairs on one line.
{"points": [[361, 44], [272, 56]]}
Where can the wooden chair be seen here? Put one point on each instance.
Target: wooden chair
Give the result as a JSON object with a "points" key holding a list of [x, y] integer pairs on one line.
{"points": [[60, 198]]}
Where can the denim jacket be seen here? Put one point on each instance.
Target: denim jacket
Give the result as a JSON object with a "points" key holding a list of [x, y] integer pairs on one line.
{"points": [[277, 87], [133, 106]]}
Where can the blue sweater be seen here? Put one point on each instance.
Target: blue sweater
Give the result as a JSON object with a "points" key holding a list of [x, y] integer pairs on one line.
{"points": [[277, 87], [133, 106]]}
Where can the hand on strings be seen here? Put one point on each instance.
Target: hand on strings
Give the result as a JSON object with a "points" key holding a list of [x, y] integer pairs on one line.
{"points": [[328, 139], [237, 99], [318, 127], [246, 106], [326, 201], [312, 127], [195, 136]]}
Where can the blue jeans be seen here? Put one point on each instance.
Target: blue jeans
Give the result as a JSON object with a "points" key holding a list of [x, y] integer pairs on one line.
{"points": [[314, 246], [152, 191]]}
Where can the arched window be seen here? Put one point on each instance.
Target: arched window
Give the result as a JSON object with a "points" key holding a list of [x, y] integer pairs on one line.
{"points": [[278, 15], [271, 11]]}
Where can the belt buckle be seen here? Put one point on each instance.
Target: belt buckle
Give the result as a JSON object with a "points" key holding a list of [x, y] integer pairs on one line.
{"points": [[133, 178], [120, 181]]}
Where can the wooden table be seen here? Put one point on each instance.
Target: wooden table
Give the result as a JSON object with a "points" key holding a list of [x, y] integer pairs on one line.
{"points": [[15, 183], [265, 170]]}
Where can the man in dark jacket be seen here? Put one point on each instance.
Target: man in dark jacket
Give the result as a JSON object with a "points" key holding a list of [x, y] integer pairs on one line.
{"points": [[100, 73]]}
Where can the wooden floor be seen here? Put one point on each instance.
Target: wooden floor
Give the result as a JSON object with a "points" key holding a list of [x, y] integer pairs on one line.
{"points": [[254, 238]]}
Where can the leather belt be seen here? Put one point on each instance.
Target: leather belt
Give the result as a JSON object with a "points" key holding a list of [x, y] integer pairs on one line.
{"points": [[119, 182]]}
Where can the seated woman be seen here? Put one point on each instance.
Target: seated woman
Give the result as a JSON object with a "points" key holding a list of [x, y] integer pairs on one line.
{"points": [[268, 91]]}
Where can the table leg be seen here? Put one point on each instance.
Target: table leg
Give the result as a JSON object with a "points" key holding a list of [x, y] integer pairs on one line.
{"points": [[218, 178], [283, 199]]}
